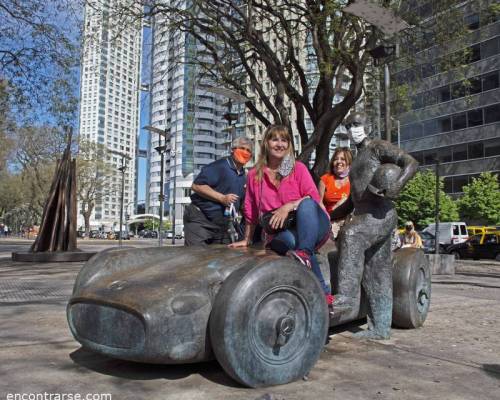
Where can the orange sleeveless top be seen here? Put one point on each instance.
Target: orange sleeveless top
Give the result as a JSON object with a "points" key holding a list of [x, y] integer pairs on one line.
{"points": [[335, 190]]}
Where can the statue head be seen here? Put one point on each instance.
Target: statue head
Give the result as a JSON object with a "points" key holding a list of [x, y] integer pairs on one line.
{"points": [[355, 124]]}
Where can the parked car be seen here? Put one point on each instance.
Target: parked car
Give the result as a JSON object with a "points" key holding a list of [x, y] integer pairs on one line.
{"points": [[96, 235], [449, 232], [147, 234], [125, 235], [483, 245], [167, 234], [428, 242], [475, 230]]}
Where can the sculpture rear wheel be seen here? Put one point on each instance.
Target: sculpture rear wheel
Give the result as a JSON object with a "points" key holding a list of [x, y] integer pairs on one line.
{"points": [[411, 288], [269, 323]]}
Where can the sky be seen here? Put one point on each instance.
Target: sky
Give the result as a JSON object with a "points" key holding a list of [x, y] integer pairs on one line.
{"points": [[144, 115]]}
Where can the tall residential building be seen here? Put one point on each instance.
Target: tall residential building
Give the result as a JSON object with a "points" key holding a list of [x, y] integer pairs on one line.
{"points": [[109, 100], [191, 115], [454, 119]]}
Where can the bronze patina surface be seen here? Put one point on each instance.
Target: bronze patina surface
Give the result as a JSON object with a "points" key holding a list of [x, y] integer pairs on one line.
{"points": [[378, 173], [56, 240]]}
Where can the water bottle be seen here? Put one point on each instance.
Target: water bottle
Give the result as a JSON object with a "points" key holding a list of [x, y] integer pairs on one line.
{"points": [[228, 213]]}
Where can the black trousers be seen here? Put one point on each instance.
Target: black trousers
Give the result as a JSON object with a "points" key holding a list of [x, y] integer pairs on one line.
{"points": [[200, 231]]}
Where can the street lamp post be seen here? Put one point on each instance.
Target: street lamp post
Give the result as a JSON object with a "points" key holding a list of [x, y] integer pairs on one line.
{"points": [[398, 126], [389, 24], [161, 150], [436, 210], [380, 55], [233, 97], [173, 154], [127, 214], [123, 167]]}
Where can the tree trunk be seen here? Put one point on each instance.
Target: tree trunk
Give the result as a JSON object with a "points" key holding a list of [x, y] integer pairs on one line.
{"points": [[86, 216]]}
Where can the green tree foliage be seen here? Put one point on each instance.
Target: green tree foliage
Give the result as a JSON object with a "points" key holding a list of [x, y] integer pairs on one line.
{"points": [[32, 164], [481, 200], [11, 194], [6, 125], [38, 45], [152, 224], [417, 201], [290, 59], [93, 178], [37, 150], [23, 195]]}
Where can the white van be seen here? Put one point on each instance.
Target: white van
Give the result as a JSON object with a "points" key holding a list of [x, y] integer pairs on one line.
{"points": [[449, 232]]}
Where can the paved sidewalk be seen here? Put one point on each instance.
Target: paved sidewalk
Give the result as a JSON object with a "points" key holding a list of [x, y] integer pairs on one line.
{"points": [[456, 355]]}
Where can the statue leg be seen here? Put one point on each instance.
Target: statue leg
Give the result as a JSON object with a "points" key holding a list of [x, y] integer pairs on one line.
{"points": [[353, 241], [377, 283]]}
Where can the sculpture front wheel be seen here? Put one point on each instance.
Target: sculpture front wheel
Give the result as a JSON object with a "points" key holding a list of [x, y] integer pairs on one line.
{"points": [[411, 288], [269, 323]]}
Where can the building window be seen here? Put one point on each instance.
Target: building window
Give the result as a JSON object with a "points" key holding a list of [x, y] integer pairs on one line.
{"points": [[472, 21], [459, 182], [445, 154], [490, 81], [430, 127], [457, 90], [492, 114], [474, 86], [492, 148], [475, 150], [459, 121], [448, 184], [430, 157], [444, 94], [460, 152], [475, 117], [489, 48], [444, 124]]}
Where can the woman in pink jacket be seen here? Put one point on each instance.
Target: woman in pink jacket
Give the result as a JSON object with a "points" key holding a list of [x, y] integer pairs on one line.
{"points": [[281, 185]]}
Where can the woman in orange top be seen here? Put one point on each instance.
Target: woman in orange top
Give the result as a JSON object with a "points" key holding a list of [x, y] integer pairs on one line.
{"points": [[334, 186]]}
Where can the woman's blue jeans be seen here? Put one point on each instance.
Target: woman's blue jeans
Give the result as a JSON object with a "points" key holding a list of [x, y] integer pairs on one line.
{"points": [[312, 225]]}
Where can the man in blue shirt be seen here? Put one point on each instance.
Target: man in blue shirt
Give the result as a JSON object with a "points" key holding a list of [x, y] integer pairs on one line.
{"points": [[218, 186]]}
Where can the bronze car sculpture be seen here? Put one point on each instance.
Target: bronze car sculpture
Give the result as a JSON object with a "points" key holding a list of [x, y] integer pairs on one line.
{"points": [[262, 316]]}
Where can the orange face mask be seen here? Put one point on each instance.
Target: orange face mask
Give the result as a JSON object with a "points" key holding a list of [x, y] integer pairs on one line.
{"points": [[242, 156]]}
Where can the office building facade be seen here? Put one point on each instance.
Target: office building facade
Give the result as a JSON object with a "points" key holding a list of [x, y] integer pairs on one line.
{"points": [[456, 119]]}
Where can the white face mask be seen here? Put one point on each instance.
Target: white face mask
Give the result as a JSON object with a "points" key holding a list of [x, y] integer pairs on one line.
{"points": [[357, 134]]}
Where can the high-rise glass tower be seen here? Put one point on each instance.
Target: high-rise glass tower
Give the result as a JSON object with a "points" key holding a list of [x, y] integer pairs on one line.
{"points": [[191, 115], [109, 100]]}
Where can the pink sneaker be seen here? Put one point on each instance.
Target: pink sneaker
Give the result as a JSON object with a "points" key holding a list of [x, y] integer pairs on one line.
{"points": [[301, 256], [329, 302]]}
